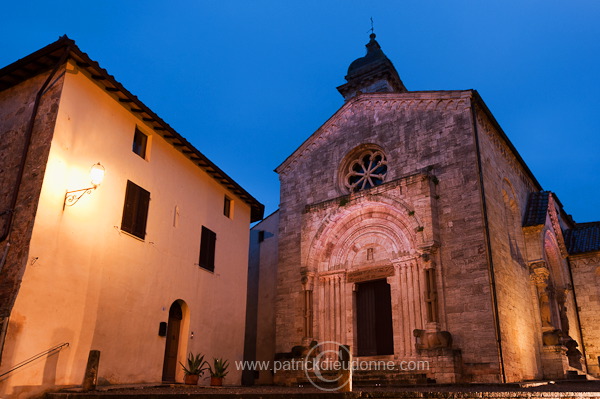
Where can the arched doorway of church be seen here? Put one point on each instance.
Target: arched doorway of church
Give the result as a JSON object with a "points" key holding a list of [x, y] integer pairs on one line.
{"points": [[172, 344], [374, 331]]}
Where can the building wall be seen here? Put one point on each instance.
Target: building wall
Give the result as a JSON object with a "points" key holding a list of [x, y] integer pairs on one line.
{"points": [[419, 132], [16, 108], [96, 287], [507, 188], [266, 254], [586, 279]]}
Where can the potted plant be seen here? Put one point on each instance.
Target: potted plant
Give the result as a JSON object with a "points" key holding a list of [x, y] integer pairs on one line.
{"points": [[195, 368], [218, 371]]}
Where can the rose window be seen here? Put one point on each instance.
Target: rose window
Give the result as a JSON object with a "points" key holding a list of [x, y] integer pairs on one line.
{"points": [[368, 170]]}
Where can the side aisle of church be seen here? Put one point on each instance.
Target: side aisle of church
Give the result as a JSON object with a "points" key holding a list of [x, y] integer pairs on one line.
{"points": [[411, 229]]}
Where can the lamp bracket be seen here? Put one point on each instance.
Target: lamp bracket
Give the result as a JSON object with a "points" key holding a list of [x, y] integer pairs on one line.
{"points": [[71, 197]]}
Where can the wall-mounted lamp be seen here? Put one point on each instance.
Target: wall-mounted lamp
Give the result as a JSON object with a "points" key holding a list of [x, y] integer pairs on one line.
{"points": [[96, 176]]}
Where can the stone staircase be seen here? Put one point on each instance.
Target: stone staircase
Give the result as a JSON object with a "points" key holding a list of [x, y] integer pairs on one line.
{"points": [[360, 378], [573, 375], [371, 378]]}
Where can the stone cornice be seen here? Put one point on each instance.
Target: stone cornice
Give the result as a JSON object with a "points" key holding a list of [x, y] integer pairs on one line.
{"points": [[588, 258], [377, 190]]}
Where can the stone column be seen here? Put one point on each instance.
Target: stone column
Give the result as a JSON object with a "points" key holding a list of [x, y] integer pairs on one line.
{"points": [[396, 293], [540, 276], [561, 300], [331, 303], [307, 291], [553, 353], [431, 288]]}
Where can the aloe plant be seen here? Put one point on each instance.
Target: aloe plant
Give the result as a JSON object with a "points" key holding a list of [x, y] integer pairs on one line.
{"points": [[219, 368], [195, 365]]}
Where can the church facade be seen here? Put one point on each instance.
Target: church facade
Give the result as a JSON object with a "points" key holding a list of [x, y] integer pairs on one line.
{"points": [[411, 229]]}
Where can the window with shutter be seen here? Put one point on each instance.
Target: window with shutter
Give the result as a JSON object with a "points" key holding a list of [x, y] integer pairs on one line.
{"points": [[227, 203], [135, 210], [208, 240], [140, 142]]}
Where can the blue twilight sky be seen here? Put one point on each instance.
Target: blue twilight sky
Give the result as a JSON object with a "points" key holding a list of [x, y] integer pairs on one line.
{"points": [[247, 81]]}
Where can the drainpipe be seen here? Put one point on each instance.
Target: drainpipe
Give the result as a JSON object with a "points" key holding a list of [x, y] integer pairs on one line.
{"points": [[488, 241], [11, 210]]}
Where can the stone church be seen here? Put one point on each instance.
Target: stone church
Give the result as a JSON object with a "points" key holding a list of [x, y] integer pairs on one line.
{"points": [[410, 228]]}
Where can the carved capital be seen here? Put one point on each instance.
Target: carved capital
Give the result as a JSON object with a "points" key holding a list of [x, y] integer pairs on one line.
{"points": [[428, 251], [533, 230], [307, 279], [539, 273]]}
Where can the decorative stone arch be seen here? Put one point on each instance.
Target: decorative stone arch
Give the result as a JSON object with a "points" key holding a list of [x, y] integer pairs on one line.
{"points": [[553, 258], [385, 218], [559, 281]]}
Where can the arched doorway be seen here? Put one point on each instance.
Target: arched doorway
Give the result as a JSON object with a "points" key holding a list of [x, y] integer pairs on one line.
{"points": [[172, 344]]}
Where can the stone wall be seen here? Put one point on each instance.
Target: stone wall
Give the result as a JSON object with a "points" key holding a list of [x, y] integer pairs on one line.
{"points": [[16, 107], [517, 255], [419, 132], [507, 188], [586, 279], [263, 250]]}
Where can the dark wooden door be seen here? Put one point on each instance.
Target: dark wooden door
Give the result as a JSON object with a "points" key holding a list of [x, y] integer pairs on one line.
{"points": [[172, 344], [374, 319]]}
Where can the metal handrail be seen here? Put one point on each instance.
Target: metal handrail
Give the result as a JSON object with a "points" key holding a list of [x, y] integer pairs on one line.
{"points": [[35, 357]]}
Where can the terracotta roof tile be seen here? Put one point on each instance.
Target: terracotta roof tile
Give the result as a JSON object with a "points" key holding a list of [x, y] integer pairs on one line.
{"points": [[585, 237], [537, 207]]}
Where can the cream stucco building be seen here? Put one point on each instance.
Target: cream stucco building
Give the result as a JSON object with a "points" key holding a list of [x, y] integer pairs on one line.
{"points": [[142, 267]]}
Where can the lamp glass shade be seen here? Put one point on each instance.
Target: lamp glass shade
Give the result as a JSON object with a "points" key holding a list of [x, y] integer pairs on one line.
{"points": [[97, 174]]}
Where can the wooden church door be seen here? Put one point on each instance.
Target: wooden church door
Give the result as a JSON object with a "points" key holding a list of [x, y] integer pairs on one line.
{"points": [[374, 319]]}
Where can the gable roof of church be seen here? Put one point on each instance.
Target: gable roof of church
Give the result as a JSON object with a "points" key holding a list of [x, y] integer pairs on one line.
{"points": [[47, 57], [426, 96]]}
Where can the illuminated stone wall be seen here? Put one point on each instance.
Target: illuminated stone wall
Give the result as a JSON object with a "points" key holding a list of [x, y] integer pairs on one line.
{"points": [[586, 277], [507, 189]]}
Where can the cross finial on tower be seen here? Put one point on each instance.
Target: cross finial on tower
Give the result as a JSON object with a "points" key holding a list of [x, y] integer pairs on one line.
{"points": [[372, 29]]}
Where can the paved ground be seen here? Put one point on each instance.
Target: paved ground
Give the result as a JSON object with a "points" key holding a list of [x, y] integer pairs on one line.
{"points": [[544, 390]]}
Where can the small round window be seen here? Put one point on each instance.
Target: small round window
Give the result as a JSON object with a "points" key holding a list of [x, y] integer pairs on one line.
{"points": [[366, 170]]}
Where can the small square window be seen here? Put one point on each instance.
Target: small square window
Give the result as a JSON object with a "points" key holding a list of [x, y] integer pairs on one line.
{"points": [[207, 249], [140, 142], [227, 205], [135, 210]]}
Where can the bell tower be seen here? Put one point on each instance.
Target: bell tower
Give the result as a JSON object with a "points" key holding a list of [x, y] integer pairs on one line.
{"points": [[373, 73]]}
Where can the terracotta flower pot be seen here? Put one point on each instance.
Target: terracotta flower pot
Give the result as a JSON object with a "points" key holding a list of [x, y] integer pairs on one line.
{"points": [[191, 379], [216, 381]]}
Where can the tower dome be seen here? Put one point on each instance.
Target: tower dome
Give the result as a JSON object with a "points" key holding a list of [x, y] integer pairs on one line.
{"points": [[372, 73]]}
